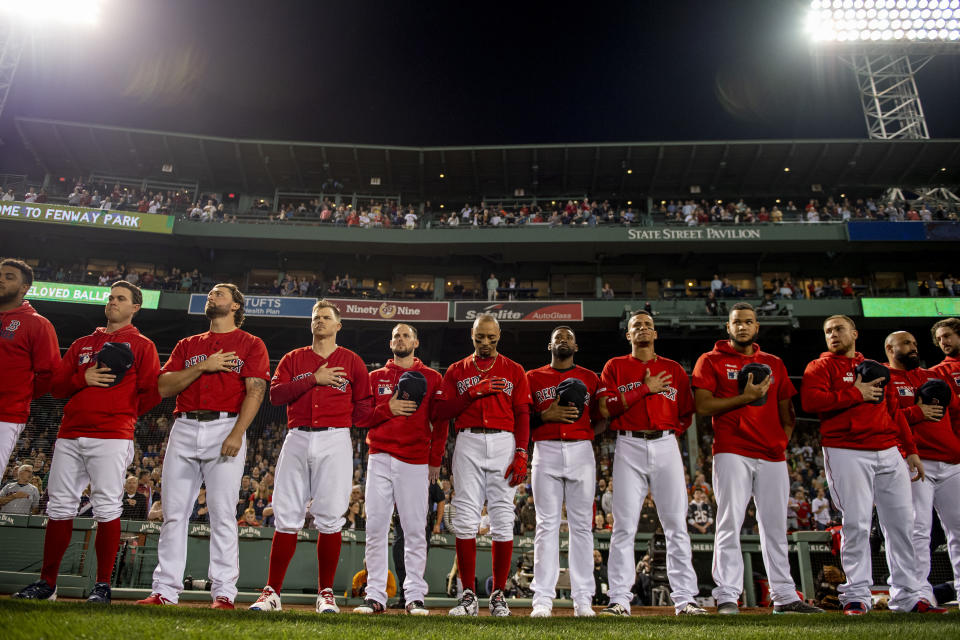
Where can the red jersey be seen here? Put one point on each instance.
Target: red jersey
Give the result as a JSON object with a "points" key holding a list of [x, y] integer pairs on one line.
{"points": [[29, 353], [222, 391], [495, 411], [543, 389], [106, 412], [753, 432], [410, 438], [936, 439], [846, 421], [670, 410], [312, 405], [949, 371]]}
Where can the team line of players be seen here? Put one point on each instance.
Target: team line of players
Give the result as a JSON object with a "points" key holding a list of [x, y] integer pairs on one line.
{"points": [[876, 440]]}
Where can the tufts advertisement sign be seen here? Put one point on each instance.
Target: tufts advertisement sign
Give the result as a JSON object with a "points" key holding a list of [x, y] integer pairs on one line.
{"points": [[540, 311], [350, 308]]}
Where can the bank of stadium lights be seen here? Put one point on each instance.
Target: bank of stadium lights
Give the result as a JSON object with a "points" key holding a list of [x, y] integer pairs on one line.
{"points": [[884, 20], [45, 12]]}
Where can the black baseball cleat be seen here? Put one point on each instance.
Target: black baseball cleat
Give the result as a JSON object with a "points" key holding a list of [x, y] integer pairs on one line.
{"points": [[39, 590], [100, 593], [797, 606]]}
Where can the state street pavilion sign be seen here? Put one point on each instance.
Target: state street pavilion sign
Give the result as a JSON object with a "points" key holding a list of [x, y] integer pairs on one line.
{"points": [[350, 308]]}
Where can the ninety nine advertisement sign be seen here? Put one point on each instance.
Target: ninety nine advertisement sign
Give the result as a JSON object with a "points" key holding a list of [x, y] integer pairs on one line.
{"points": [[83, 217], [350, 309], [57, 292], [541, 311], [910, 307]]}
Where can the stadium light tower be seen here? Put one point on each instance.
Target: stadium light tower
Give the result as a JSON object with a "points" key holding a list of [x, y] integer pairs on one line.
{"points": [[19, 18], [887, 42]]}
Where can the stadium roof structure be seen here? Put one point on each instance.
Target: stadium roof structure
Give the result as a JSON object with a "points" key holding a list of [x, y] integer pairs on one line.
{"points": [[719, 169]]}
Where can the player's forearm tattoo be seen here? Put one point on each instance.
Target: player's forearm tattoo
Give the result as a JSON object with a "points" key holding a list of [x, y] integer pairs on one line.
{"points": [[256, 388]]}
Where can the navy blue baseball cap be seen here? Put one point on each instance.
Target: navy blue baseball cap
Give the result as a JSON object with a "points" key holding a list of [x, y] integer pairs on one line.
{"points": [[760, 373], [412, 386]]}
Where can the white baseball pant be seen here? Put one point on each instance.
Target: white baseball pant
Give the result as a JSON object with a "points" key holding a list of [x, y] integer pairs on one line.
{"points": [[940, 491], [392, 481], [315, 465], [858, 479], [479, 462], [9, 433], [641, 466], [735, 479], [78, 462], [193, 457], [563, 471]]}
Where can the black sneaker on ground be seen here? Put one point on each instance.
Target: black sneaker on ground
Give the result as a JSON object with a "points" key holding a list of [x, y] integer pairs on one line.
{"points": [[798, 606], [39, 590], [614, 609], [728, 609], [100, 594]]}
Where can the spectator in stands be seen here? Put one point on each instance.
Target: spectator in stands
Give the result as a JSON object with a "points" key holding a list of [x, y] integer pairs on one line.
{"points": [[200, 509], [30, 195], [21, 496], [134, 502], [600, 579], [8, 196], [700, 513], [710, 305], [798, 512], [156, 512], [716, 285], [820, 511], [728, 290], [492, 285], [528, 517], [606, 499], [186, 282], [607, 291], [649, 520], [249, 518], [354, 519]]}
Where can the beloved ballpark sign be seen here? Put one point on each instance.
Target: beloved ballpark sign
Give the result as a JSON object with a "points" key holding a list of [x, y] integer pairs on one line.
{"points": [[84, 294], [83, 217], [350, 308], [543, 311]]}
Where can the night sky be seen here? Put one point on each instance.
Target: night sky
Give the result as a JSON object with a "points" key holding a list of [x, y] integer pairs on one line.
{"points": [[455, 73]]}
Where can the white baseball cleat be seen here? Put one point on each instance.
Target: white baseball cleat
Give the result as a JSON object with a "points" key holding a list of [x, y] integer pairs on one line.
{"points": [[583, 610], [691, 609], [498, 604], [541, 611], [326, 602], [467, 606], [614, 609], [416, 608], [269, 600]]}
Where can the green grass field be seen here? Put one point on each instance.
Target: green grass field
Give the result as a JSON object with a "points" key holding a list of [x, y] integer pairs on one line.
{"points": [[72, 620]]}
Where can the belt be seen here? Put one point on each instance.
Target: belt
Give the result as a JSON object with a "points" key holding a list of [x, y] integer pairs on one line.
{"points": [[205, 416], [646, 435], [307, 427], [482, 430]]}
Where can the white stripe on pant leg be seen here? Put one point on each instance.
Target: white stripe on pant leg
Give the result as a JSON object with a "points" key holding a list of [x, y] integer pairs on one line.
{"points": [[547, 483], [580, 472], [222, 475], [379, 499], [410, 486], [895, 512], [947, 484], [291, 482], [770, 491], [670, 496], [850, 477], [923, 494], [331, 478], [499, 455], [630, 485], [106, 462], [181, 483], [68, 478], [468, 484], [733, 484], [9, 434]]}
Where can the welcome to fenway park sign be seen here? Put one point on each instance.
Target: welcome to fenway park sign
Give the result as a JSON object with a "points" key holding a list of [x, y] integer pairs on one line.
{"points": [[540, 311]]}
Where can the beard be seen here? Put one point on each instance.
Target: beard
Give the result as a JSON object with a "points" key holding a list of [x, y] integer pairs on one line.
{"points": [[743, 344], [562, 351], [910, 361], [9, 297], [213, 312], [951, 351], [402, 354]]}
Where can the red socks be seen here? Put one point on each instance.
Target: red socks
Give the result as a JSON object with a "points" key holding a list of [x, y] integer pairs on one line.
{"points": [[502, 559], [281, 553], [106, 545], [328, 556], [467, 562], [55, 544]]}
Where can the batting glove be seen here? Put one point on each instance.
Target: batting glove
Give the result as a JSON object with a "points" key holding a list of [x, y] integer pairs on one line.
{"points": [[517, 471], [487, 387]]}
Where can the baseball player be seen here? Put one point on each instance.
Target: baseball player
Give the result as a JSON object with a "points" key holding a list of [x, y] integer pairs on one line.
{"points": [[327, 390], [110, 378], [860, 430], [488, 395], [219, 378], [749, 395], [405, 455], [648, 399], [28, 350], [946, 335], [936, 430], [563, 470]]}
